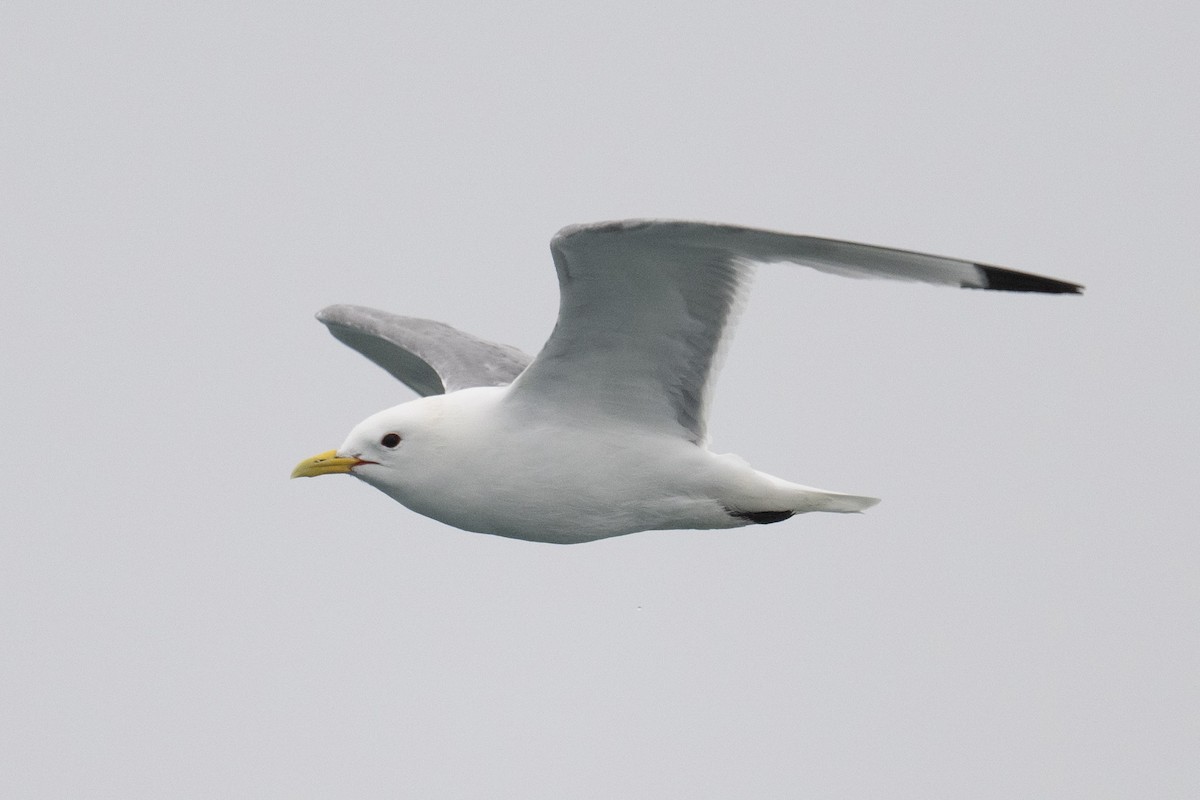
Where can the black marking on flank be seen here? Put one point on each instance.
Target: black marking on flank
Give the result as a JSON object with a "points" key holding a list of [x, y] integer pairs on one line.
{"points": [[761, 517], [1009, 280]]}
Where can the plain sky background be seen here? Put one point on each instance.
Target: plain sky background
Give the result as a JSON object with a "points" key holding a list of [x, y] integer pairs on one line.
{"points": [[185, 184]]}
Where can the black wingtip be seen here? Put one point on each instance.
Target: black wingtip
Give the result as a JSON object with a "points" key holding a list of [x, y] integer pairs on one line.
{"points": [[1009, 280], [761, 517]]}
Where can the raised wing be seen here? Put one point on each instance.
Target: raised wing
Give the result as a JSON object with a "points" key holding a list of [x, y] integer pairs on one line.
{"points": [[430, 357], [646, 305]]}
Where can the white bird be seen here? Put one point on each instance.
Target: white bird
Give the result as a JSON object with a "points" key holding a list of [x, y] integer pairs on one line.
{"points": [[604, 433]]}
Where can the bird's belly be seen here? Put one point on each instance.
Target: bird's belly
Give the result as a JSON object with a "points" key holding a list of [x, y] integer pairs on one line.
{"points": [[580, 490]]}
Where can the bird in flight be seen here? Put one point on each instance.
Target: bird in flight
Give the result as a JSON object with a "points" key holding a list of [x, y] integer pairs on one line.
{"points": [[604, 433]]}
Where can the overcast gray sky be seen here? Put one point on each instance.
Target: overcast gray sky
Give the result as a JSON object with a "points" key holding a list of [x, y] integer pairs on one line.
{"points": [[184, 185]]}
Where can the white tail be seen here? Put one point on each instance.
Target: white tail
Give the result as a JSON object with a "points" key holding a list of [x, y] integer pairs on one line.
{"points": [[846, 503], [838, 502]]}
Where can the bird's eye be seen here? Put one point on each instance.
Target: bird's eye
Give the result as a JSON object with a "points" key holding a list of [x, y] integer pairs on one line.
{"points": [[390, 440]]}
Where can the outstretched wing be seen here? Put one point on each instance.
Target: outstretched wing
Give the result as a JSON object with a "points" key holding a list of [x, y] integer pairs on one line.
{"points": [[430, 357], [646, 305]]}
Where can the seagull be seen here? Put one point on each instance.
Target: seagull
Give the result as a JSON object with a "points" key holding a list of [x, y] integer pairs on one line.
{"points": [[605, 432]]}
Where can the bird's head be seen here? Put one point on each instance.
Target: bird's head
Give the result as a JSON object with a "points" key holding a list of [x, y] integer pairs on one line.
{"points": [[380, 449]]}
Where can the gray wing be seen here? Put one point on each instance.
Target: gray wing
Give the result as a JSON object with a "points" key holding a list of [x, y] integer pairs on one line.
{"points": [[645, 307], [430, 357]]}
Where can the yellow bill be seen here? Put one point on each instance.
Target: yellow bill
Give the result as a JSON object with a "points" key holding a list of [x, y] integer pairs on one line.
{"points": [[327, 463]]}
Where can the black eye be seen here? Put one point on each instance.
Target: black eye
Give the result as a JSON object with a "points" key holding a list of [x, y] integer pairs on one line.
{"points": [[390, 440]]}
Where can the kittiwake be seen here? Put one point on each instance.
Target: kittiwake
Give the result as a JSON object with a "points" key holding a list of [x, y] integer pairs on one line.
{"points": [[604, 433]]}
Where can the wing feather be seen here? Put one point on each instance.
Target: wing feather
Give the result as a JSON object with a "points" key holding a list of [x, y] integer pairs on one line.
{"points": [[429, 357], [645, 307]]}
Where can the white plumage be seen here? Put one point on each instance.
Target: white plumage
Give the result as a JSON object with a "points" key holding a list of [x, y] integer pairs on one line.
{"points": [[604, 433]]}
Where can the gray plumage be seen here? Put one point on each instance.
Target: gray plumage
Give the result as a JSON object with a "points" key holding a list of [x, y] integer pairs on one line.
{"points": [[646, 309], [429, 357], [644, 314]]}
